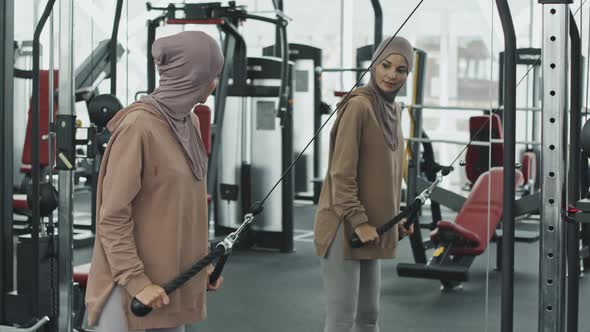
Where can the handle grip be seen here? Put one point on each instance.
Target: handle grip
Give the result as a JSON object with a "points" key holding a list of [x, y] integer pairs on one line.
{"points": [[408, 213], [139, 309], [218, 268], [356, 241]]}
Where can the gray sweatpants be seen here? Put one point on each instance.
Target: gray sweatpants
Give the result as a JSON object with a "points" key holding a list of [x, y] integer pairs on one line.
{"points": [[352, 291], [112, 318]]}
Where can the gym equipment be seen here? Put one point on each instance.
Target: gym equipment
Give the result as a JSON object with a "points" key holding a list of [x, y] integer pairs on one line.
{"points": [[308, 109], [39, 324], [529, 171], [458, 243], [253, 119], [409, 213], [94, 69], [478, 157], [365, 53], [35, 291], [529, 58], [585, 137], [527, 204], [560, 245], [246, 172], [103, 108], [573, 230], [48, 199]]}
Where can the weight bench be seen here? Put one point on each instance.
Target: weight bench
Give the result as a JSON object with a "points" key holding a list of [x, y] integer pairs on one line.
{"points": [[458, 243]]}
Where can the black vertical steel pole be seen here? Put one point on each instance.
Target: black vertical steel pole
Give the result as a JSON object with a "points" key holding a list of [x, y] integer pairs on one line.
{"points": [[586, 243], [285, 107], [317, 123], [573, 229], [35, 150], [113, 47], [278, 5], [378, 33], [507, 316], [6, 148], [501, 81], [151, 67], [221, 92], [287, 244], [416, 240]]}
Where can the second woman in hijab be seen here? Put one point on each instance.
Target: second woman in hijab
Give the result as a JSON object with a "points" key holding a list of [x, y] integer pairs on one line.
{"points": [[152, 198], [362, 191]]}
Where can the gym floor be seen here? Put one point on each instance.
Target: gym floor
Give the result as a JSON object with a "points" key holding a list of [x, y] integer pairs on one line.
{"points": [[269, 291]]}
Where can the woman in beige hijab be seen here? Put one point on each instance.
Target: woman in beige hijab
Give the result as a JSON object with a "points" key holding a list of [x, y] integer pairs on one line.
{"points": [[362, 191], [152, 198]]}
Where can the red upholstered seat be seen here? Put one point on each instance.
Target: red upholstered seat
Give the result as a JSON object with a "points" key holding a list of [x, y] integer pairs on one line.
{"points": [[81, 274], [471, 226], [477, 156], [19, 202]]}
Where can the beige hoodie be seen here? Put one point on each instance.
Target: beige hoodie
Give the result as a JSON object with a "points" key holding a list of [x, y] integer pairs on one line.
{"points": [[151, 220], [363, 183]]}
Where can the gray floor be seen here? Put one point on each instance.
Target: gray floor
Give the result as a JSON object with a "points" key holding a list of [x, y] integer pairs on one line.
{"points": [[268, 291]]}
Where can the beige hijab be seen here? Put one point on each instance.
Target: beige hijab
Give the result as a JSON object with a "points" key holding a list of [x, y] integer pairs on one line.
{"points": [[187, 63], [383, 103]]}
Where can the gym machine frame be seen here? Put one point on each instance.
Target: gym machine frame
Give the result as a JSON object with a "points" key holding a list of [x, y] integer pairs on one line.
{"points": [[552, 256], [522, 206], [306, 52], [236, 67], [32, 300], [6, 149]]}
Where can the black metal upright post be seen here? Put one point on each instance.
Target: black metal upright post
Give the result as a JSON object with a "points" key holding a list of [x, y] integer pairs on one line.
{"points": [[281, 49], [221, 92], [113, 47], [573, 229], [317, 123], [366, 52], [151, 67], [416, 240], [501, 79], [306, 52], [286, 108], [278, 5], [378, 26], [6, 148], [507, 317], [35, 151]]}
